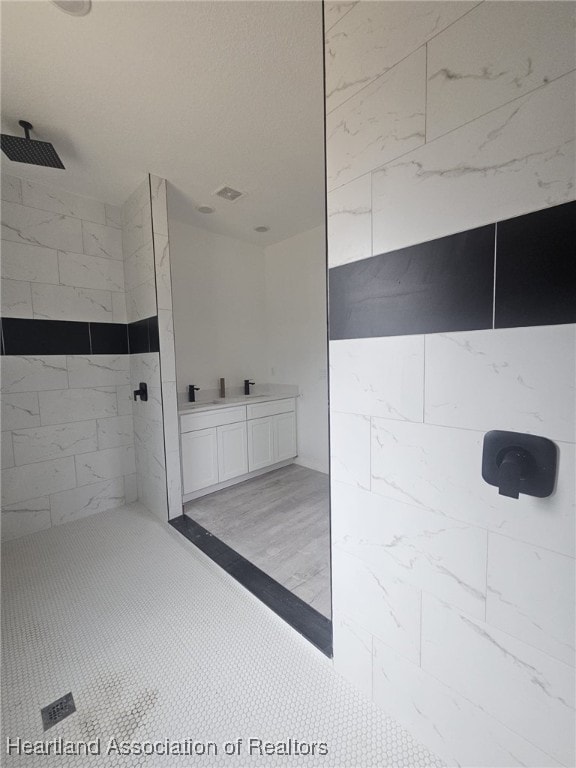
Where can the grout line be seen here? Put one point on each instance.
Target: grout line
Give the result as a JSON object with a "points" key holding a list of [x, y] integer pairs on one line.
{"points": [[494, 283], [395, 64], [90, 337], [426, 93], [424, 382], [420, 649], [456, 128], [486, 595]]}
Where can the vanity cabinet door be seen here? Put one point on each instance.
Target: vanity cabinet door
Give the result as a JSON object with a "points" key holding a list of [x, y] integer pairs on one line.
{"points": [[199, 459], [285, 436], [232, 452], [260, 443]]}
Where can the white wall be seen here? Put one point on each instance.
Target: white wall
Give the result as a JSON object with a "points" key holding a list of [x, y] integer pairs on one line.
{"points": [[453, 606], [296, 345], [219, 308]]}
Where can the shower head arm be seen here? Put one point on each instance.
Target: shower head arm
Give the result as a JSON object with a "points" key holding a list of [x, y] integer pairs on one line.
{"points": [[27, 127]]}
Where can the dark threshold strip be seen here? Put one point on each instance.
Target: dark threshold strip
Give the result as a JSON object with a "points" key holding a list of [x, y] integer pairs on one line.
{"points": [[303, 618]]}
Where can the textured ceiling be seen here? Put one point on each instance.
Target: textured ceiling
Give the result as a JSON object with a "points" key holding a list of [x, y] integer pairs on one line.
{"points": [[200, 93]]}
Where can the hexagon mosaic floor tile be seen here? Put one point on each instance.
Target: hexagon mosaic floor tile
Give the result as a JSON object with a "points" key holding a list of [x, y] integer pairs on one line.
{"points": [[157, 644]]}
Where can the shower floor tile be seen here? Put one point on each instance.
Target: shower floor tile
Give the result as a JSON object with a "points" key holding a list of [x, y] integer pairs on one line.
{"points": [[156, 642]]}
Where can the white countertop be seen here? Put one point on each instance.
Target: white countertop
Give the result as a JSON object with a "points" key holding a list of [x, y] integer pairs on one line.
{"points": [[228, 402]]}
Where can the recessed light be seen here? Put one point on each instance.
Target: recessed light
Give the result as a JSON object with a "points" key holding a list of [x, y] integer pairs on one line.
{"points": [[205, 209], [74, 7], [261, 229]]}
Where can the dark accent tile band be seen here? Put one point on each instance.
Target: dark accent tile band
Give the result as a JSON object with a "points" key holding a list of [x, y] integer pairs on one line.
{"points": [[442, 285], [109, 338], [64, 337], [143, 336], [45, 337], [312, 625], [536, 268]]}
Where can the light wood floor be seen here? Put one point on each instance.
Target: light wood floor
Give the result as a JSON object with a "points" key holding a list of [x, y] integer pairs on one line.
{"points": [[278, 521]]}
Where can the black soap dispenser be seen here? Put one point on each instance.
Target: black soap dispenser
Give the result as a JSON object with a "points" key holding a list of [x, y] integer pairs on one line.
{"points": [[192, 393]]}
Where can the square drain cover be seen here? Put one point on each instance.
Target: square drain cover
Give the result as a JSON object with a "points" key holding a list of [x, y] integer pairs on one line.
{"points": [[57, 711]]}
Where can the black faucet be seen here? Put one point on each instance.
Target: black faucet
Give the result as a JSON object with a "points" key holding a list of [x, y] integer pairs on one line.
{"points": [[192, 393], [247, 383]]}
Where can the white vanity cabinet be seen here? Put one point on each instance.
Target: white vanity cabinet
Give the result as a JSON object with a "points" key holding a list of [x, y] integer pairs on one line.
{"points": [[199, 459], [232, 454], [229, 444], [271, 433]]}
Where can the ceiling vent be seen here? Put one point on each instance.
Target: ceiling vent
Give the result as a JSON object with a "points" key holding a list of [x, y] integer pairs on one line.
{"points": [[228, 194]]}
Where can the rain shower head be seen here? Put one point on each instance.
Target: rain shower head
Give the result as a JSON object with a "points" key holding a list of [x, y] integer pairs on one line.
{"points": [[26, 150]]}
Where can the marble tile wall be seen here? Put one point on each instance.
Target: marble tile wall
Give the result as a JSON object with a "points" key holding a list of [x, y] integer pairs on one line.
{"points": [[167, 349], [149, 293], [453, 606], [67, 437]]}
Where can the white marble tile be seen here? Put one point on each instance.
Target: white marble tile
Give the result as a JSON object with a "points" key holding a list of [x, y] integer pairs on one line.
{"points": [[379, 603], [350, 222], [119, 314], [523, 46], [137, 231], [100, 240], [378, 377], [66, 405], [439, 469], [98, 370], [105, 465], [429, 551], [125, 400], [490, 169], [159, 205], [373, 37], [33, 373], [527, 690], [86, 500], [166, 334], [90, 272], [20, 410], [34, 480], [163, 277], [459, 732], [531, 595], [334, 11], [381, 122], [145, 366], [64, 302], [21, 224], [53, 442], [152, 493], [29, 262], [517, 379], [115, 431], [352, 647], [7, 450], [170, 407], [11, 188], [139, 266], [141, 301], [136, 201], [25, 517], [51, 198], [130, 489], [350, 449], [16, 298], [113, 215], [174, 484]]}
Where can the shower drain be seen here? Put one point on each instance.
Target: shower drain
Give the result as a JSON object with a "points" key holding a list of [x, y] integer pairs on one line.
{"points": [[57, 711]]}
